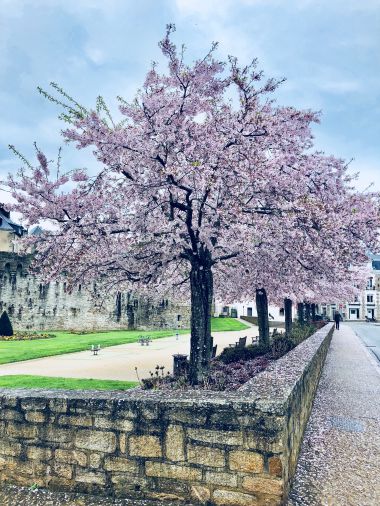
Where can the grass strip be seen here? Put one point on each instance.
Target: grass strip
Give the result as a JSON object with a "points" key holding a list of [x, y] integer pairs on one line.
{"points": [[47, 382]]}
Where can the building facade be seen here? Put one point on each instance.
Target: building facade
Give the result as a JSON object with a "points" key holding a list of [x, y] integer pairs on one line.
{"points": [[366, 304], [237, 310], [10, 232]]}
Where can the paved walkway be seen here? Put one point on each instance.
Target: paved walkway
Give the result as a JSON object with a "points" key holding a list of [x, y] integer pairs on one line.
{"points": [[339, 463], [119, 362]]}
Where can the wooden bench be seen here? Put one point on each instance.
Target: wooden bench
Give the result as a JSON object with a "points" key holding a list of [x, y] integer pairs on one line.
{"points": [[239, 344], [95, 348], [145, 340]]}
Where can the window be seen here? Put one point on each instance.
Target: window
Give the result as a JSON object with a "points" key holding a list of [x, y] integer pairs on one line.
{"points": [[370, 283], [249, 311], [282, 311], [369, 298]]}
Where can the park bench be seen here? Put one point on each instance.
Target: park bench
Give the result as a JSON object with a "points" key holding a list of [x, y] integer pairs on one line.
{"points": [[95, 348], [145, 340], [239, 344], [275, 333]]}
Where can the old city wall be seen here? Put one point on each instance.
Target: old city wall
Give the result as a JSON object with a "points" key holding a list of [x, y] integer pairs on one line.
{"points": [[32, 304], [224, 449]]}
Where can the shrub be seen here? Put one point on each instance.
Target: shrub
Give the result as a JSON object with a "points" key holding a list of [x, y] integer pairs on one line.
{"points": [[157, 378], [301, 332], [26, 336], [281, 345], [6, 328], [230, 355]]}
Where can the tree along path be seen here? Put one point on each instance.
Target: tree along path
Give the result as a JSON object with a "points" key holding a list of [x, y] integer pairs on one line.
{"points": [[339, 460], [119, 362]]}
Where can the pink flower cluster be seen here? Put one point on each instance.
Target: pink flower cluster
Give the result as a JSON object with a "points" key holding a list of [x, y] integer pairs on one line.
{"points": [[193, 175]]}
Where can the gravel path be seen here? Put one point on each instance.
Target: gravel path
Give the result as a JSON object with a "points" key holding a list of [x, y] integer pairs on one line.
{"points": [[339, 463]]}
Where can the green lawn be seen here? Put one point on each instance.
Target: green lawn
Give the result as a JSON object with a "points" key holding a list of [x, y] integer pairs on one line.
{"points": [[26, 381], [64, 342], [226, 324]]}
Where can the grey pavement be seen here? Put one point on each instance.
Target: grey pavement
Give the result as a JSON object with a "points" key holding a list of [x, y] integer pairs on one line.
{"points": [[339, 463], [369, 333]]}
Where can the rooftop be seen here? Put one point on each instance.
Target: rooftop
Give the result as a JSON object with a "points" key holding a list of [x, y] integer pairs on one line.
{"points": [[6, 223]]}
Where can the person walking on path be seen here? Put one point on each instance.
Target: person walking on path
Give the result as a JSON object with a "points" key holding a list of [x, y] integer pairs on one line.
{"points": [[337, 319]]}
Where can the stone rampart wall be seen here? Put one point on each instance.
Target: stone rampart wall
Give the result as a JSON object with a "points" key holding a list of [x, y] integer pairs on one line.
{"points": [[34, 305], [210, 448]]}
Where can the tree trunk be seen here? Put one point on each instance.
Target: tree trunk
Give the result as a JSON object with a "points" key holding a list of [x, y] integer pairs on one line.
{"points": [[262, 316], [313, 312], [201, 285], [288, 316], [300, 311], [307, 312]]}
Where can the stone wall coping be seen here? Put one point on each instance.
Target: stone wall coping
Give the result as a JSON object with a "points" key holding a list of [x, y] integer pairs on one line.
{"points": [[278, 380], [269, 391]]}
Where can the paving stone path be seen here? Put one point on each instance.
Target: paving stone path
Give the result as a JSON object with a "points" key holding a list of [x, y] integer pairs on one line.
{"points": [[339, 463]]}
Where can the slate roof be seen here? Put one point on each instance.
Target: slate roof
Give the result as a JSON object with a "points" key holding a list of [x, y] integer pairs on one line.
{"points": [[36, 231], [9, 225]]}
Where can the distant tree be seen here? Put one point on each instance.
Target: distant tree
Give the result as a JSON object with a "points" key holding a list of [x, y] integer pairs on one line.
{"points": [[6, 328]]}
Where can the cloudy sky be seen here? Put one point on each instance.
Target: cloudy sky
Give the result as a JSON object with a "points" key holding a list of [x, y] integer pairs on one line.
{"points": [[329, 51]]}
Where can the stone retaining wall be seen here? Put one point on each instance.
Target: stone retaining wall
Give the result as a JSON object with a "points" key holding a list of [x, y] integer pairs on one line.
{"points": [[32, 304], [210, 448]]}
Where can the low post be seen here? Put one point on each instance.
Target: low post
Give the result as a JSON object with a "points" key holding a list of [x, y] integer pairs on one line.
{"points": [[180, 365]]}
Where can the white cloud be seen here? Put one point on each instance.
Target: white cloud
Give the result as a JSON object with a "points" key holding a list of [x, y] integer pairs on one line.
{"points": [[95, 54], [339, 86]]}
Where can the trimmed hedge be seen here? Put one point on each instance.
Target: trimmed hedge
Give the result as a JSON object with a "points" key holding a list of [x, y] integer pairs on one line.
{"points": [[6, 328], [230, 355]]}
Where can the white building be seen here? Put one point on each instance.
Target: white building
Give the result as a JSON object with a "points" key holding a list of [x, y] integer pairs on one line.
{"points": [[248, 308], [367, 304], [10, 232]]}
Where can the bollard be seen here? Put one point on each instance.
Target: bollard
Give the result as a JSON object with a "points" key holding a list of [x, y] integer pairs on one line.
{"points": [[180, 365]]}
